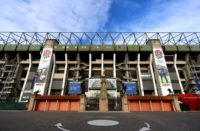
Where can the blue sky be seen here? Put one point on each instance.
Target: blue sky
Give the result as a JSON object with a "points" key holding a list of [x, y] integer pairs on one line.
{"points": [[100, 15]]}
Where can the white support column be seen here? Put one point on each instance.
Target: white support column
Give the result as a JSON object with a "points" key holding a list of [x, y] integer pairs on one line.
{"points": [[64, 83], [176, 69], [126, 67], [52, 74], [27, 74], [153, 77], [114, 70], [139, 75], [114, 65], [78, 66], [90, 65], [102, 64]]}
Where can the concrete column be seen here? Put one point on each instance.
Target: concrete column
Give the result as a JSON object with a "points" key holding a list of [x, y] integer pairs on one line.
{"points": [[31, 103], [27, 74], [82, 103], [64, 83], [198, 59], [176, 104], [153, 77], [160, 68], [90, 65], [140, 78], [126, 66], [45, 68], [125, 106], [102, 64], [18, 69], [52, 74], [78, 66], [114, 65], [103, 99], [6, 58], [179, 80]]}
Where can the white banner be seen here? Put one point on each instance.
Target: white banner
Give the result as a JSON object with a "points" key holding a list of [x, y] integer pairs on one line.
{"points": [[42, 72], [162, 72], [96, 93], [96, 84]]}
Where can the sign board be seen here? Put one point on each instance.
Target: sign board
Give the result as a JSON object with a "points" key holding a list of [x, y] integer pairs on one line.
{"points": [[26, 95], [42, 72], [162, 72], [74, 88], [130, 88], [96, 94], [96, 84]]}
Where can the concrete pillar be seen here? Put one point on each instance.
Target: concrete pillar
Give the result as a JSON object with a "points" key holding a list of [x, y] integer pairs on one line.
{"points": [[26, 79], [44, 68], [114, 65], [31, 103], [82, 103], [176, 104], [90, 65], [198, 59], [6, 58], [102, 64], [141, 90], [65, 75], [103, 99], [160, 68], [78, 66], [153, 77], [179, 80], [126, 66], [125, 106], [52, 74]]}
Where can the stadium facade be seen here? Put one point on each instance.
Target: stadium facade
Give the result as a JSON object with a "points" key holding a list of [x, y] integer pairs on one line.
{"points": [[99, 71]]}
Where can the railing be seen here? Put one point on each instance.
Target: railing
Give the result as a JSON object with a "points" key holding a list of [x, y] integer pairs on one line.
{"points": [[100, 38], [8, 79]]}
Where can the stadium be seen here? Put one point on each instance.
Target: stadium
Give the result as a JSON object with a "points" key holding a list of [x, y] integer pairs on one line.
{"points": [[100, 71]]}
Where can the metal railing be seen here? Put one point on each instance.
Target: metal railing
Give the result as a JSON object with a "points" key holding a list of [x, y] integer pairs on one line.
{"points": [[100, 38], [7, 88]]}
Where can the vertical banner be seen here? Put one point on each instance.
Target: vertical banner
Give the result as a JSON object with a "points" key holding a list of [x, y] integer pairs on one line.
{"points": [[162, 72], [42, 72]]}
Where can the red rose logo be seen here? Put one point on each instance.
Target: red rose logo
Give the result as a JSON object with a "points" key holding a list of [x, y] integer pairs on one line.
{"points": [[158, 53]]}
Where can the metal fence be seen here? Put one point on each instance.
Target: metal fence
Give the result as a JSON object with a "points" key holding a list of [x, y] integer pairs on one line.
{"points": [[100, 38]]}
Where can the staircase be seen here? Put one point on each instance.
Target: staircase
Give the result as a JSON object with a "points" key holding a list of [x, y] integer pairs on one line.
{"points": [[8, 79], [194, 74], [2, 64]]}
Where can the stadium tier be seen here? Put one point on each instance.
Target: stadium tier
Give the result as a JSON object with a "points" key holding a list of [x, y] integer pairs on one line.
{"points": [[99, 71]]}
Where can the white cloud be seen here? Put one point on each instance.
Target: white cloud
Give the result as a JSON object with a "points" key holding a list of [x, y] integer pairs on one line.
{"points": [[169, 16], [54, 15]]}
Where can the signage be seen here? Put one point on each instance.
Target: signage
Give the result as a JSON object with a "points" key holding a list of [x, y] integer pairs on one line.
{"points": [[42, 72], [74, 88], [26, 95], [96, 84], [162, 72], [96, 94], [130, 88]]}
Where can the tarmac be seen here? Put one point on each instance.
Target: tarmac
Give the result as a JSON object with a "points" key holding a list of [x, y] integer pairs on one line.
{"points": [[99, 121]]}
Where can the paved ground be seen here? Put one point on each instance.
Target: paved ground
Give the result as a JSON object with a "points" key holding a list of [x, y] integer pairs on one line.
{"points": [[46, 121]]}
